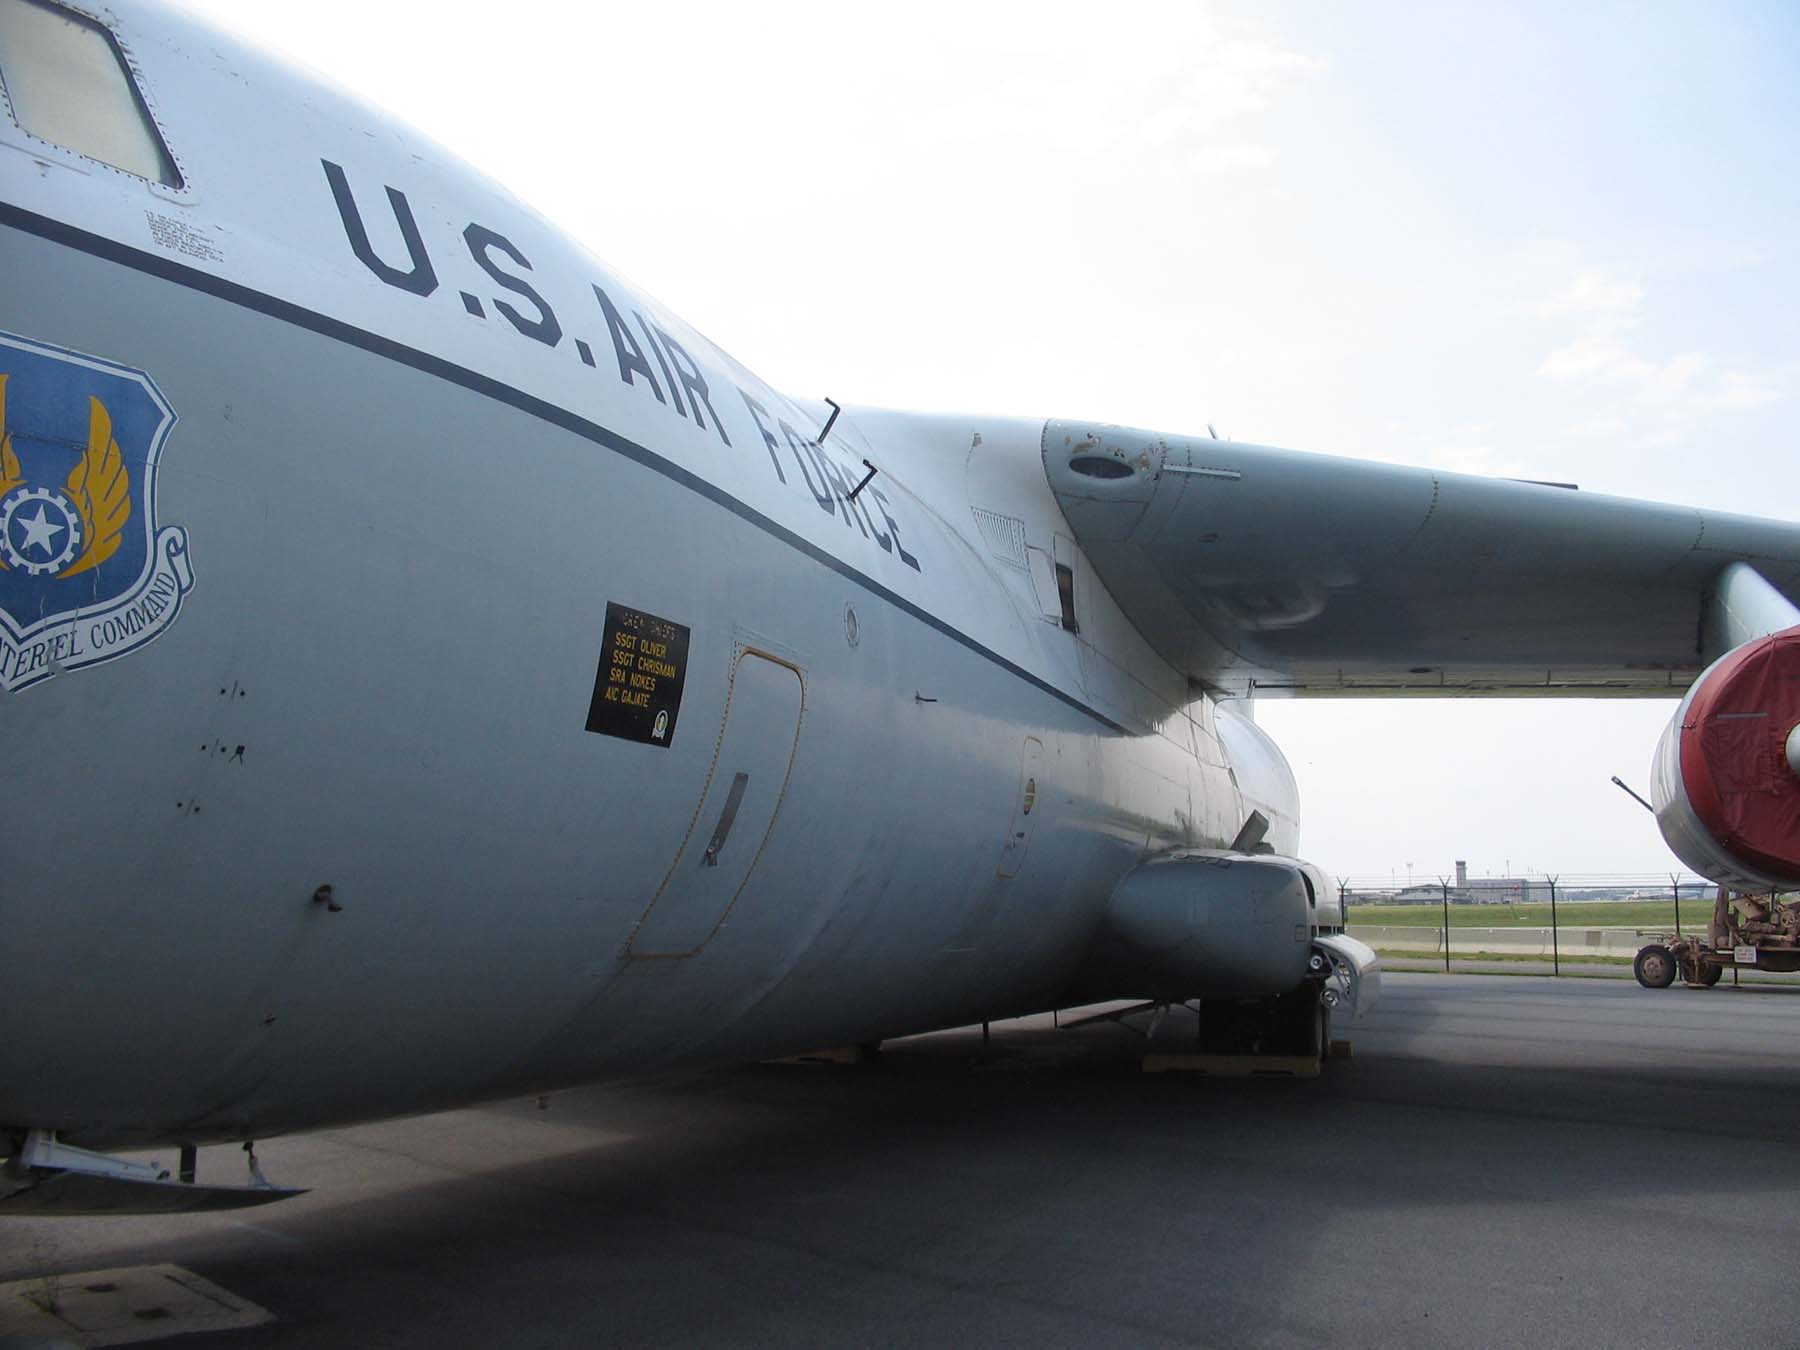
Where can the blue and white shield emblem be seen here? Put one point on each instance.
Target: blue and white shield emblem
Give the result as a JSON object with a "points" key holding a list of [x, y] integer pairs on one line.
{"points": [[85, 575]]}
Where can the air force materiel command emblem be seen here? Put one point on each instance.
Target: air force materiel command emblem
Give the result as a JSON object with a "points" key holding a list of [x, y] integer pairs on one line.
{"points": [[85, 575]]}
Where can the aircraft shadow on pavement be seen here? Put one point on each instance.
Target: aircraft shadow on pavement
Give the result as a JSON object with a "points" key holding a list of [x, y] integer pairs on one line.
{"points": [[1049, 1183]]}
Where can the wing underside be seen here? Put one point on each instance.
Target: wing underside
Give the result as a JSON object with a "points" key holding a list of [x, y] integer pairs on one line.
{"points": [[1274, 571]]}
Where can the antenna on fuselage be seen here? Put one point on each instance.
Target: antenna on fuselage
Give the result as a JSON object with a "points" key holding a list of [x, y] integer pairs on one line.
{"points": [[868, 478], [830, 422]]}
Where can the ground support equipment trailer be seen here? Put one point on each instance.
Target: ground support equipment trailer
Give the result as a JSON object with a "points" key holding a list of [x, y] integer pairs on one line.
{"points": [[1762, 932]]}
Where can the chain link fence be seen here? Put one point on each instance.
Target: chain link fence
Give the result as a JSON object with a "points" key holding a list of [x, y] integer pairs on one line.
{"points": [[1540, 922]]}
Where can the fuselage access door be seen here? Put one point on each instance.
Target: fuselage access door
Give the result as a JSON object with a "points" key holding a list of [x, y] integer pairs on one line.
{"points": [[738, 806]]}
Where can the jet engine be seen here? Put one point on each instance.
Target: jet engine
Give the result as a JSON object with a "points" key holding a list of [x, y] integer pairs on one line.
{"points": [[1725, 783]]}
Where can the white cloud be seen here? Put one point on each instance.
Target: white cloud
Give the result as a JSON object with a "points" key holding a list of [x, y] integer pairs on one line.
{"points": [[1592, 292], [1611, 306], [1227, 158], [1661, 379], [1226, 80], [1745, 389], [1201, 105], [1600, 354]]}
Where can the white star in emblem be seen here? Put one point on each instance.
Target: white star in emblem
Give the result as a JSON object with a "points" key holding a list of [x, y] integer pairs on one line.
{"points": [[39, 532]]}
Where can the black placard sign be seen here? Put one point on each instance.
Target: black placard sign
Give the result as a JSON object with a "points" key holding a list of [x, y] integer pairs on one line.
{"points": [[637, 689]]}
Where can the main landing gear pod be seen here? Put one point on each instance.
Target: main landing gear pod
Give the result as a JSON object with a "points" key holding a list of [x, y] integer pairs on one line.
{"points": [[1216, 924], [1237, 931]]}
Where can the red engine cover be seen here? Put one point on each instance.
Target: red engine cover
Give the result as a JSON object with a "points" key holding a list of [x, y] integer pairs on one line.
{"points": [[1734, 763]]}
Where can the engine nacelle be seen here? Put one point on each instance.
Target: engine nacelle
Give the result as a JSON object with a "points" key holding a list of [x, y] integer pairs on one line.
{"points": [[1726, 778], [1213, 925]]}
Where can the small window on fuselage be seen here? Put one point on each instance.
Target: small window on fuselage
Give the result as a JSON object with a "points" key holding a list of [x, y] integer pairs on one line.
{"points": [[1065, 594], [66, 82]]}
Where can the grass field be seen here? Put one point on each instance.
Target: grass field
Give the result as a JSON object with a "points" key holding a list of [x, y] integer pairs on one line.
{"points": [[1582, 914]]}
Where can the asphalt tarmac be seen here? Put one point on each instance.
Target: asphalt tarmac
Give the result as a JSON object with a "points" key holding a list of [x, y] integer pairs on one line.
{"points": [[1516, 1161]]}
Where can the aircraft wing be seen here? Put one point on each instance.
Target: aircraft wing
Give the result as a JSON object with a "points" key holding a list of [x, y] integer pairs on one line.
{"points": [[1276, 571]]}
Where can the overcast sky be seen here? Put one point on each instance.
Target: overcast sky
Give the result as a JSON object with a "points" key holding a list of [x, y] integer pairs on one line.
{"points": [[1539, 240]]}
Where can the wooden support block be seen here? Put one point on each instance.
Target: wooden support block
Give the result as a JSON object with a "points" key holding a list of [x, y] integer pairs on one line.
{"points": [[1235, 1066]]}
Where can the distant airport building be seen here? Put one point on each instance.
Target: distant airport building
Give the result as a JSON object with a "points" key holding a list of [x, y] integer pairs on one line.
{"points": [[1467, 890]]}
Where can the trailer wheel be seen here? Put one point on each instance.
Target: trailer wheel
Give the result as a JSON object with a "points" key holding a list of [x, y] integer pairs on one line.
{"points": [[1654, 967]]}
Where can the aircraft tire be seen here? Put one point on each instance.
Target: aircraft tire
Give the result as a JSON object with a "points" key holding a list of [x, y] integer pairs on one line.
{"points": [[1710, 975], [1654, 967], [1300, 1023]]}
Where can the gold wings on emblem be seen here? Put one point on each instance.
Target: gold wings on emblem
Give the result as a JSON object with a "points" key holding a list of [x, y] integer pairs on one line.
{"points": [[101, 491], [10, 473], [98, 485]]}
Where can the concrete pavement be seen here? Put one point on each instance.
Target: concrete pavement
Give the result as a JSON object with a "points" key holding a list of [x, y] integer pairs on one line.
{"points": [[1502, 1162]]}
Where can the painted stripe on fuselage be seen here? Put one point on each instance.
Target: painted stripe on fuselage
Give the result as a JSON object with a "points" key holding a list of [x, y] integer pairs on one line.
{"points": [[286, 311]]}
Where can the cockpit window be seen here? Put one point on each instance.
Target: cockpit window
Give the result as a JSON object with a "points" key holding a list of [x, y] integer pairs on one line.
{"points": [[67, 82]]}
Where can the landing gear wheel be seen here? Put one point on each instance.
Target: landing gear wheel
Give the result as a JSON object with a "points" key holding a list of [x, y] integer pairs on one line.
{"points": [[1314, 1035], [1290, 1024], [1654, 967], [1709, 975], [1300, 1029]]}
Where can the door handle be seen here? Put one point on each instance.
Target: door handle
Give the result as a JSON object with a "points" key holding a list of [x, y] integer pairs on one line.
{"points": [[721, 831]]}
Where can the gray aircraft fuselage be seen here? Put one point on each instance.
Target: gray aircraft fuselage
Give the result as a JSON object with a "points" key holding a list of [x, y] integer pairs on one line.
{"points": [[515, 690]]}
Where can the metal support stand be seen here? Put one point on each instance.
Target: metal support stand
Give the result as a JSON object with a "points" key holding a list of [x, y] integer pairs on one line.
{"points": [[1555, 933], [46, 1176], [1444, 886]]}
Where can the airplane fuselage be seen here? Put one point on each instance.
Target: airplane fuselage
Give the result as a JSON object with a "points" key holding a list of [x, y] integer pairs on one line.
{"points": [[537, 694]]}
